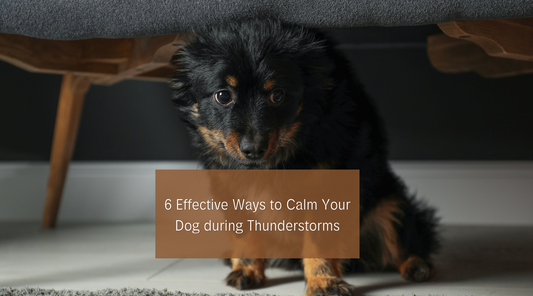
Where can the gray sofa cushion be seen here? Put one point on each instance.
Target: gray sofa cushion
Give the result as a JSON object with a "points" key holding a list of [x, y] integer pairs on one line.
{"points": [[79, 19]]}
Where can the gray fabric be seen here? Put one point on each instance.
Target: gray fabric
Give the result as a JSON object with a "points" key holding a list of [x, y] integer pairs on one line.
{"points": [[79, 19], [106, 292]]}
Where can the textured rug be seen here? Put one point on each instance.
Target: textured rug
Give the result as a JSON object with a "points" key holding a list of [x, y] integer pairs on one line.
{"points": [[106, 292]]}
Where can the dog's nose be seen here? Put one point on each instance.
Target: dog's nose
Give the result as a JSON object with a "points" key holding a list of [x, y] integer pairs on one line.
{"points": [[253, 148]]}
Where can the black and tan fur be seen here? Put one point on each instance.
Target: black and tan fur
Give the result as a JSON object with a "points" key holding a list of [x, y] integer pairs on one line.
{"points": [[267, 95]]}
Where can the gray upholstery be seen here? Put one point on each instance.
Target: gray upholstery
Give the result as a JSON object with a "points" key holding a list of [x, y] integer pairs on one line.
{"points": [[79, 19]]}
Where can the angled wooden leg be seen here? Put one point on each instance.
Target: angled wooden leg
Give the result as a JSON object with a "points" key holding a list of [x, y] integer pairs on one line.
{"points": [[71, 97]]}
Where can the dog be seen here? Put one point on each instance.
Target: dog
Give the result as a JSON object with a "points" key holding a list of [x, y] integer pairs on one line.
{"points": [[263, 94]]}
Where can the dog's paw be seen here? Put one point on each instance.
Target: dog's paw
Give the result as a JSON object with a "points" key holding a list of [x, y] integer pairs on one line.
{"points": [[328, 286], [245, 278], [415, 269]]}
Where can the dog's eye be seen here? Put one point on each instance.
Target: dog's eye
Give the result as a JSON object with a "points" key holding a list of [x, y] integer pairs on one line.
{"points": [[277, 96], [223, 97]]}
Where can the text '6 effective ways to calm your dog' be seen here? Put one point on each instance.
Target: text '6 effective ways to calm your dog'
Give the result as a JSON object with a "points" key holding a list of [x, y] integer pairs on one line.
{"points": [[257, 214]]}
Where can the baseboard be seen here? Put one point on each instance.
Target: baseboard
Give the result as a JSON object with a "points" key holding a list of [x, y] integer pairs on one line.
{"points": [[473, 193], [94, 191]]}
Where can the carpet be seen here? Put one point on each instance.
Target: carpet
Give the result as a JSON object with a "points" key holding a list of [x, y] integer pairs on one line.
{"points": [[106, 292]]}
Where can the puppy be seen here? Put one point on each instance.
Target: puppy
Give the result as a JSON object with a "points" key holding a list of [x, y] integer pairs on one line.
{"points": [[267, 95]]}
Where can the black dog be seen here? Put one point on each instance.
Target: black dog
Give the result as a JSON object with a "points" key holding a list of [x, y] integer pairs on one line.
{"points": [[267, 95]]}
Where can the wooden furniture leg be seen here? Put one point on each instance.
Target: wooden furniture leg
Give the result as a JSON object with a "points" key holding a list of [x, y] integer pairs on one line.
{"points": [[73, 90], [95, 61]]}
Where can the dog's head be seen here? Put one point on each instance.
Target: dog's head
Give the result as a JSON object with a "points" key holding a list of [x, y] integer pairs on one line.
{"points": [[246, 89]]}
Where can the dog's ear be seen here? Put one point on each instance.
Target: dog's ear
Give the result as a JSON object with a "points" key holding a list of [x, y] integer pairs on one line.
{"points": [[310, 50], [182, 95]]}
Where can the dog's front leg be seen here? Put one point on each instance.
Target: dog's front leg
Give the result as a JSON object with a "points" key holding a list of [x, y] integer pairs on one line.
{"points": [[323, 277], [246, 274]]}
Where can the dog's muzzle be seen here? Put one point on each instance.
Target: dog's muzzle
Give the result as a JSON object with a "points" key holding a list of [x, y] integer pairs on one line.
{"points": [[253, 148]]}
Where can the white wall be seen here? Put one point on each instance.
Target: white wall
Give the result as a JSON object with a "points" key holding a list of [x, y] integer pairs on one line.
{"points": [[475, 193]]}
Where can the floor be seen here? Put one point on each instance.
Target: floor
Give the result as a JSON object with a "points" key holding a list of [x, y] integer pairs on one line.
{"points": [[473, 261]]}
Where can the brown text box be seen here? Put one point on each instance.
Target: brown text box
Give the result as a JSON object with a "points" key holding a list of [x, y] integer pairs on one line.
{"points": [[257, 214]]}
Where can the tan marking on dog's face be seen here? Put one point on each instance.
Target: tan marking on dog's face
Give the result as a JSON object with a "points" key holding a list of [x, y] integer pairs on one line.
{"points": [[383, 219], [291, 132], [194, 110], [273, 140], [269, 84], [300, 108], [232, 81], [232, 145], [213, 137], [287, 142]]}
